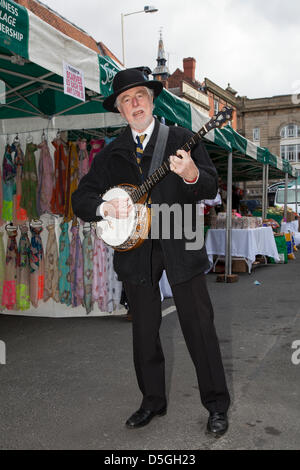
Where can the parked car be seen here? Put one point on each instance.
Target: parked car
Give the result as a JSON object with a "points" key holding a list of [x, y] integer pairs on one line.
{"points": [[291, 198]]}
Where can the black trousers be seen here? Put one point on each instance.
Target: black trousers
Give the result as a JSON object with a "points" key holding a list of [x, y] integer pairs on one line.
{"points": [[195, 314]]}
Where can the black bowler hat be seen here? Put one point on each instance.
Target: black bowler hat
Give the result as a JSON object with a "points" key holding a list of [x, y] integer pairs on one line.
{"points": [[130, 78]]}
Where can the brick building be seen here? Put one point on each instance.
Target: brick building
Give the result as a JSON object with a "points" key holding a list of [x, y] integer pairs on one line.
{"points": [[274, 123]]}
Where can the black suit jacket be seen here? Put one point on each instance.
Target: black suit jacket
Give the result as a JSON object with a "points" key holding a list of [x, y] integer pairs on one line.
{"points": [[116, 164]]}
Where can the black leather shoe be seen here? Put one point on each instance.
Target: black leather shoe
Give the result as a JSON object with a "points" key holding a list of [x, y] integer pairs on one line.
{"points": [[217, 424], [142, 417]]}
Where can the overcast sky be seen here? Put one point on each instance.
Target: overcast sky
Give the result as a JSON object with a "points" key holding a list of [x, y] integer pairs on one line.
{"points": [[252, 44]]}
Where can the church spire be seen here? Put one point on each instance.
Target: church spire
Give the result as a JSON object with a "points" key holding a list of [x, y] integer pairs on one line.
{"points": [[161, 71]]}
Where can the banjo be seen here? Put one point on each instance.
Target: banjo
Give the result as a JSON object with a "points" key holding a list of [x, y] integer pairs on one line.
{"points": [[129, 233]]}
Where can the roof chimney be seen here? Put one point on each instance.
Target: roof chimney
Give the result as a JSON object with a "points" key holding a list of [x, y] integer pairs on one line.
{"points": [[189, 67]]}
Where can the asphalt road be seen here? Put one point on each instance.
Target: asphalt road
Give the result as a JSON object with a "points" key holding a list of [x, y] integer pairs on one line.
{"points": [[70, 383]]}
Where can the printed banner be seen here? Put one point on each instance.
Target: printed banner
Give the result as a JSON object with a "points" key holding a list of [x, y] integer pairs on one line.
{"points": [[74, 82], [14, 28], [108, 70]]}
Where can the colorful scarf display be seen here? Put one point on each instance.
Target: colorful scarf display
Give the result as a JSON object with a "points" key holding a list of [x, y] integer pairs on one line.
{"points": [[51, 289], [76, 268], [87, 250], [65, 295], [9, 184], [37, 266], [10, 277], [23, 283]]}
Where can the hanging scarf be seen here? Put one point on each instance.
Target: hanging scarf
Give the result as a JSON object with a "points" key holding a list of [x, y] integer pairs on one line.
{"points": [[2, 265], [9, 184], [51, 266], [83, 158], [76, 268], [37, 267], [19, 214], [29, 182], [1, 201], [65, 295], [60, 174], [97, 145], [100, 294], [87, 250], [72, 180], [10, 278], [46, 178], [114, 287], [23, 284]]}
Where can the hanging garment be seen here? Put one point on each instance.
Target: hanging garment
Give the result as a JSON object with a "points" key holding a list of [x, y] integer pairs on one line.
{"points": [[97, 145], [9, 184], [114, 287], [60, 174], [76, 268], [51, 289], [1, 201], [72, 180], [64, 265], [37, 266], [2, 265], [19, 214], [29, 182], [100, 294], [87, 251], [23, 278], [83, 158], [10, 277], [46, 179]]}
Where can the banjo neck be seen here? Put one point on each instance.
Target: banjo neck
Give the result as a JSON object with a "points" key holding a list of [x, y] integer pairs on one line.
{"points": [[161, 172]]}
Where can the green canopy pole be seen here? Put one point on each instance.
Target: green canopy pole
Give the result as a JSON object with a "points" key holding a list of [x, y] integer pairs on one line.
{"points": [[228, 218], [263, 203], [266, 189], [285, 195]]}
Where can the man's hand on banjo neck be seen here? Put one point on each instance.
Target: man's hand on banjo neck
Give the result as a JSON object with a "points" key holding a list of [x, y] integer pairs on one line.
{"points": [[181, 164], [118, 208]]}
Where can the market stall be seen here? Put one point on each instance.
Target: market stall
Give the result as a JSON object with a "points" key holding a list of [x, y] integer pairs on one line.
{"points": [[36, 111]]}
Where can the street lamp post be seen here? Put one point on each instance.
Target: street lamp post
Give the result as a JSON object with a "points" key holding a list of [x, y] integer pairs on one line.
{"points": [[147, 9]]}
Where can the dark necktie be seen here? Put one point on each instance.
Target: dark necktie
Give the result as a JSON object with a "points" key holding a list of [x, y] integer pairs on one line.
{"points": [[139, 150]]}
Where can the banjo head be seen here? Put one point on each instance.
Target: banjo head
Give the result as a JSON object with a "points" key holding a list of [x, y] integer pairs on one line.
{"points": [[116, 232]]}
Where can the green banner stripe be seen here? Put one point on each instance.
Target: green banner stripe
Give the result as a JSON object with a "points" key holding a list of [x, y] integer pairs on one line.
{"points": [[108, 69], [14, 28], [174, 110]]}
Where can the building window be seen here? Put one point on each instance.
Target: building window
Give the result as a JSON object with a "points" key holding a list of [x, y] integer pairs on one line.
{"points": [[216, 106], [290, 152], [256, 134], [290, 131], [290, 143]]}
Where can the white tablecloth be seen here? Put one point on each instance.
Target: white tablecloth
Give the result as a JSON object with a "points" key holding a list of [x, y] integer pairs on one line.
{"points": [[291, 227], [246, 243]]}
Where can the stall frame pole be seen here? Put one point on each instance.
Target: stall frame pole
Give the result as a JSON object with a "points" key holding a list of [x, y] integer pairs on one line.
{"points": [[285, 195], [228, 218], [266, 189]]}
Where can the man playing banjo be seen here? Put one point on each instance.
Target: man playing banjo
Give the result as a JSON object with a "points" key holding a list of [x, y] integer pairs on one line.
{"points": [[193, 177]]}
